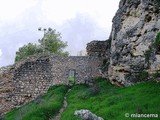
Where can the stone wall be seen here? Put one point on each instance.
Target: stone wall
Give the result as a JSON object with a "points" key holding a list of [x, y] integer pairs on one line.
{"points": [[98, 48], [31, 77], [101, 50], [6, 87]]}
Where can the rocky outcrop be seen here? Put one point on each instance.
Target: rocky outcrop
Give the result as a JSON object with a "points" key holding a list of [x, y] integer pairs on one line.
{"points": [[134, 29], [87, 115], [130, 51]]}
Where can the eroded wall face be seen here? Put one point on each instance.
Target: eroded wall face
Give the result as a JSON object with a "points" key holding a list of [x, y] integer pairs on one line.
{"points": [[6, 87], [32, 77]]}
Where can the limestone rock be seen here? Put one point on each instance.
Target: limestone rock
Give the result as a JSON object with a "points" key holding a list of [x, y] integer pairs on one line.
{"points": [[87, 115], [134, 29]]}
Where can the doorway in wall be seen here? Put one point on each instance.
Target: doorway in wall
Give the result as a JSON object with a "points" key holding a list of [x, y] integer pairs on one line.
{"points": [[72, 76]]}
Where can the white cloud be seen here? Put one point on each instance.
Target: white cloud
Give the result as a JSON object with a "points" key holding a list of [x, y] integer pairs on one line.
{"points": [[79, 21], [62, 10], [11, 10], [58, 11]]}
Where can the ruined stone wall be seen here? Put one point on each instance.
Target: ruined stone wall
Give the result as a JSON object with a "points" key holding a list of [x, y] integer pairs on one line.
{"points": [[6, 87], [98, 48], [101, 50], [33, 76], [85, 68]]}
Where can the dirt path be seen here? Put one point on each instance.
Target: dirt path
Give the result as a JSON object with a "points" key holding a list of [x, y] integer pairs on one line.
{"points": [[58, 116]]}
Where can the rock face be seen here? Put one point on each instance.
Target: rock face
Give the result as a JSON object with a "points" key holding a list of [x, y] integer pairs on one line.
{"points": [[134, 29], [130, 50]]}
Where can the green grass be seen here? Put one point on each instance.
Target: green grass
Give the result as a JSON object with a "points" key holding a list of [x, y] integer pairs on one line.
{"points": [[103, 99], [43, 108], [111, 102]]}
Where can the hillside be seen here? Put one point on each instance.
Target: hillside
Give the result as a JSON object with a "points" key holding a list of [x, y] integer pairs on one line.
{"points": [[103, 99]]}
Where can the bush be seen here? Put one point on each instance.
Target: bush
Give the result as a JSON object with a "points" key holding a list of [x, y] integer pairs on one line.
{"points": [[157, 3], [148, 54], [157, 41]]}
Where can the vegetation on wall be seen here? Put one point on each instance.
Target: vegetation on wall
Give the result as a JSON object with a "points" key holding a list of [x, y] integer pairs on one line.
{"points": [[157, 3], [155, 45], [148, 55], [50, 44]]}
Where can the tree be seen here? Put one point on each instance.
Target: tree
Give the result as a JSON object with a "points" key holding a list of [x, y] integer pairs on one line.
{"points": [[50, 44]]}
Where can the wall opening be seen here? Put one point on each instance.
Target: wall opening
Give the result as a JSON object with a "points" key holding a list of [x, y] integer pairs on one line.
{"points": [[72, 76]]}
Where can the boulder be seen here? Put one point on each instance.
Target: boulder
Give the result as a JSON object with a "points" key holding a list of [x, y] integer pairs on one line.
{"points": [[87, 115]]}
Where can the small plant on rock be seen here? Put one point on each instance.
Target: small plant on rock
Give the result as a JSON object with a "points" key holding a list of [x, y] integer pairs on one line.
{"points": [[148, 55], [156, 43]]}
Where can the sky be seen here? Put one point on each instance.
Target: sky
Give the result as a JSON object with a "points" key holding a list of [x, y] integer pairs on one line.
{"points": [[78, 21]]}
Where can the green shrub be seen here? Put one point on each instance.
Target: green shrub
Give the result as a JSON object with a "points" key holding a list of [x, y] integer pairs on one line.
{"points": [[157, 3], [148, 54], [157, 41], [156, 45]]}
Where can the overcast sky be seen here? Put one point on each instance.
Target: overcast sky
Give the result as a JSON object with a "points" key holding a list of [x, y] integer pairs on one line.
{"points": [[78, 21]]}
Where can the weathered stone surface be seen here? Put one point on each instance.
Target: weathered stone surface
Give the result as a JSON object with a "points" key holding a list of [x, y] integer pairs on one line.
{"points": [[100, 50], [134, 28], [87, 115], [6, 87]]}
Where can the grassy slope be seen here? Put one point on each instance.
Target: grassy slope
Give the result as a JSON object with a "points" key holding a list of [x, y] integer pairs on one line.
{"points": [[103, 99], [42, 108], [112, 102]]}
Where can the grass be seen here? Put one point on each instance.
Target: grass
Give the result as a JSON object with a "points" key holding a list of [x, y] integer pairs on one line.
{"points": [[42, 108], [111, 102], [103, 99]]}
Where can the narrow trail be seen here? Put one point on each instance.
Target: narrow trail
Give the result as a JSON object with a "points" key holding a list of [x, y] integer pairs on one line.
{"points": [[58, 116]]}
